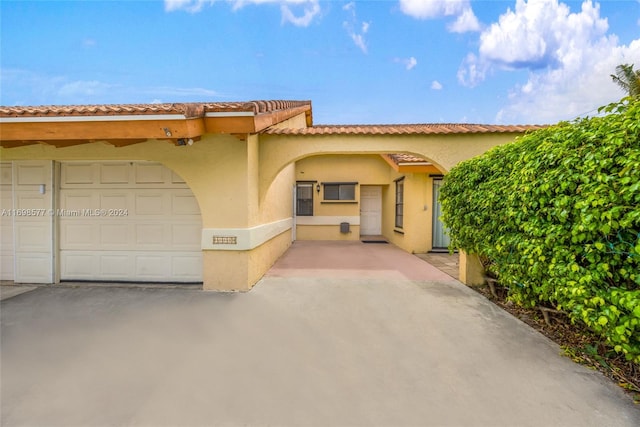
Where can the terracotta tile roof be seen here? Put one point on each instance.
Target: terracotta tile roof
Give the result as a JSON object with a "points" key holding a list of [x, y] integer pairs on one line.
{"points": [[406, 158], [190, 110], [407, 129]]}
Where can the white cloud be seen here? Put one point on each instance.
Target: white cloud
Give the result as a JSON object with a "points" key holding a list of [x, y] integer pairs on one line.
{"points": [[182, 91], [572, 90], [191, 6], [569, 58], [81, 89], [426, 9], [541, 33], [411, 63], [358, 40], [350, 25], [51, 89], [466, 21], [436, 85], [89, 43], [433, 9], [309, 8], [472, 71], [18, 84]]}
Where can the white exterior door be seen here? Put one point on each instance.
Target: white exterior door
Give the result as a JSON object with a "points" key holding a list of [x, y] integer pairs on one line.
{"points": [[370, 210], [128, 221], [440, 237]]}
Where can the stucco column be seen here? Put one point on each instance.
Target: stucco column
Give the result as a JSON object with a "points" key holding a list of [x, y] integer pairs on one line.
{"points": [[471, 270]]}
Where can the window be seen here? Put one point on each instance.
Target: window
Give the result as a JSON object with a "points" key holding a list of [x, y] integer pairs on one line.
{"points": [[304, 198], [340, 191], [399, 203]]}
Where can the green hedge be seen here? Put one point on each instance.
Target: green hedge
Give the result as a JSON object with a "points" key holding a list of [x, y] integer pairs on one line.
{"points": [[557, 213]]}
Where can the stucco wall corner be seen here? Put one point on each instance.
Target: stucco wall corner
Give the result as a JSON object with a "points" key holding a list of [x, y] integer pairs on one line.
{"points": [[471, 270]]}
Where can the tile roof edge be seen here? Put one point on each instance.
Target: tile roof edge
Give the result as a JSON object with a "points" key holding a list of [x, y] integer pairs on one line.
{"points": [[188, 109], [406, 129]]}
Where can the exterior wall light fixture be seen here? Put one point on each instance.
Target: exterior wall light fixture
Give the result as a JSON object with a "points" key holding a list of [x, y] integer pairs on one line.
{"points": [[184, 141], [318, 188]]}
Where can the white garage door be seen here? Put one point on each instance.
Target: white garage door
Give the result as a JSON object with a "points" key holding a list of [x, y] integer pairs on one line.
{"points": [[127, 221]]}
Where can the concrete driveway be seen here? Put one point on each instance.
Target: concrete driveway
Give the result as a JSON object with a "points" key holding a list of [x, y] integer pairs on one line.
{"points": [[337, 334]]}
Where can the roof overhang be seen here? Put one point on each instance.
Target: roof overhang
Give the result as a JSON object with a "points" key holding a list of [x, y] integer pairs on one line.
{"points": [[122, 125], [407, 163]]}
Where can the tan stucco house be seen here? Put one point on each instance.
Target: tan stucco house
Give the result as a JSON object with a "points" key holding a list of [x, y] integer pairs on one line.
{"points": [[211, 192]]}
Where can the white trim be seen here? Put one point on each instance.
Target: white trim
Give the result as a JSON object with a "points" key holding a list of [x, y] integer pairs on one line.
{"points": [[245, 238], [114, 118], [295, 206], [327, 220], [230, 114]]}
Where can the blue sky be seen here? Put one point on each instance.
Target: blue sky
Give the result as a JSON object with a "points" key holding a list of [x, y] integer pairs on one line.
{"points": [[359, 62]]}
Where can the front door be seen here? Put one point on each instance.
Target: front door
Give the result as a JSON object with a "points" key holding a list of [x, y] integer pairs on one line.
{"points": [[370, 210], [440, 237]]}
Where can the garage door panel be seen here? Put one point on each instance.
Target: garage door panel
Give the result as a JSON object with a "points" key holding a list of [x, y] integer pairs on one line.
{"points": [[78, 236], [115, 173], [77, 173], [79, 265], [32, 200], [6, 265], [6, 173], [79, 200], [6, 222], [176, 179], [185, 266], [32, 267], [116, 266], [150, 236], [150, 204], [131, 265], [186, 236], [115, 236], [6, 234], [153, 266], [184, 204], [29, 236], [114, 200], [31, 174], [150, 173]]}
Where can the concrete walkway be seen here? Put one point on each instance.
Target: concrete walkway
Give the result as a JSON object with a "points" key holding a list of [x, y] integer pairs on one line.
{"points": [[443, 261], [337, 334], [10, 290]]}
